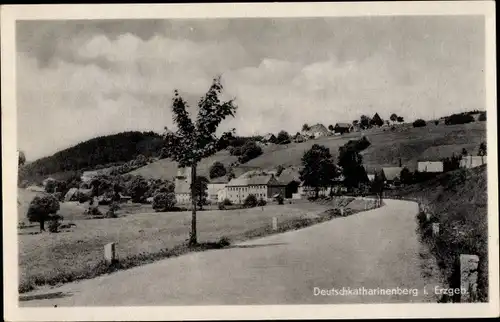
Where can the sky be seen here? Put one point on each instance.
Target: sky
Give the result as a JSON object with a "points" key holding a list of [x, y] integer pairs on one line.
{"points": [[80, 79]]}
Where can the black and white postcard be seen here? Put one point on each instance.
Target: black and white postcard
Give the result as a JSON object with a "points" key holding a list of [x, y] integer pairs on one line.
{"points": [[249, 161]]}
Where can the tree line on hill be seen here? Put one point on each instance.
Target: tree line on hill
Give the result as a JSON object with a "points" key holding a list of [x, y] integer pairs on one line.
{"points": [[100, 152]]}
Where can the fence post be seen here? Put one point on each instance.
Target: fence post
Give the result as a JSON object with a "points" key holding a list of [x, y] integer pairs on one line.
{"points": [[110, 253], [275, 224], [468, 277]]}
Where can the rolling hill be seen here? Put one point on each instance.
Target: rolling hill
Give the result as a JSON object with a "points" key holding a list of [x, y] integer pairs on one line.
{"points": [[100, 151], [431, 142]]}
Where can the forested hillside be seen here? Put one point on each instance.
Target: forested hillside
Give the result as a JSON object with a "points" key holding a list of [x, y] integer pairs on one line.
{"points": [[95, 153]]}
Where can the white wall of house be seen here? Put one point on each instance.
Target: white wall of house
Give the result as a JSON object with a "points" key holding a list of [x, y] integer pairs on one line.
{"points": [[472, 161], [183, 198], [237, 194], [213, 190]]}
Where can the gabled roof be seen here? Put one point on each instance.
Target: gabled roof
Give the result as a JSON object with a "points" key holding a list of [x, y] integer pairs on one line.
{"points": [[343, 125], [391, 173], [254, 181]]}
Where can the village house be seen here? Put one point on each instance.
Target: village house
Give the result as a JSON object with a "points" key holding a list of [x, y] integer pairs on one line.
{"points": [[214, 186], [269, 137], [316, 131], [299, 138], [391, 175], [342, 128], [470, 161], [266, 187], [430, 166], [182, 186]]}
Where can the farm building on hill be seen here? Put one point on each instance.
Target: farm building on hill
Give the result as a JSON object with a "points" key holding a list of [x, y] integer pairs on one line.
{"points": [[342, 128], [470, 161], [269, 137], [430, 166], [316, 131], [299, 138], [391, 174], [262, 186]]}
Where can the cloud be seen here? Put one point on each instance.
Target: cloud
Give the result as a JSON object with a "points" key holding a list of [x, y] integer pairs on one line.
{"points": [[77, 81]]}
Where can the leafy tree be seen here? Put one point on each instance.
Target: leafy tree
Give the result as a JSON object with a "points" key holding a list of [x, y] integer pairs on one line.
{"points": [[21, 159], [283, 137], [351, 162], [231, 174], [453, 163], [318, 168], [280, 199], [376, 120], [355, 122], [249, 151], [217, 170], [436, 122], [42, 208], [330, 128], [400, 119], [50, 186], [306, 127], [250, 201], [482, 149], [365, 121], [419, 123], [138, 189], [406, 176], [164, 201], [194, 141], [393, 117], [461, 118]]}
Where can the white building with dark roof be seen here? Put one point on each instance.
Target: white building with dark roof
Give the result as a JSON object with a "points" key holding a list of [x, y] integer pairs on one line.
{"points": [[472, 161], [262, 186]]}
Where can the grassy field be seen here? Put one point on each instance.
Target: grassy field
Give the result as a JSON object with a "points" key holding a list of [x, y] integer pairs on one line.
{"points": [[410, 144], [78, 253], [458, 201]]}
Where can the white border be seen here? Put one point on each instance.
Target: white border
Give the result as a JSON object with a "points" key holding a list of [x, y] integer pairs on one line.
{"points": [[9, 14]]}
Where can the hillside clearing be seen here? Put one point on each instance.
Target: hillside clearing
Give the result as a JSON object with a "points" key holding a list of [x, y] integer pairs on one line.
{"points": [[387, 147]]}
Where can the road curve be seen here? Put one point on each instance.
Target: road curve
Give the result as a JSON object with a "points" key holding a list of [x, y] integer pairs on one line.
{"points": [[373, 249]]}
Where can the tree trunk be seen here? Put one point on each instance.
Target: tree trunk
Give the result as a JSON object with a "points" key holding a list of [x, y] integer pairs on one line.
{"points": [[42, 225], [192, 238]]}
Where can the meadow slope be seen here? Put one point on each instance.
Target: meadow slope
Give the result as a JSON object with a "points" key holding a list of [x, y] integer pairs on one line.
{"points": [[410, 144]]}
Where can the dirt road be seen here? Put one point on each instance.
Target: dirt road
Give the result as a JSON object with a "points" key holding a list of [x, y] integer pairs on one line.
{"points": [[376, 249]]}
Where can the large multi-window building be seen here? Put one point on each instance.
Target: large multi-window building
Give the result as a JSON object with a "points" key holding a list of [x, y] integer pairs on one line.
{"points": [[262, 186]]}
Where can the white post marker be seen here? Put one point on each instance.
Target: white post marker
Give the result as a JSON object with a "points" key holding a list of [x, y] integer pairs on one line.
{"points": [[275, 224], [110, 253]]}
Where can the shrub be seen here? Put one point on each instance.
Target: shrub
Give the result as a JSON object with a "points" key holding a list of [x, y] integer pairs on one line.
{"points": [[93, 212], [436, 122], [419, 123], [250, 201], [283, 137], [217, 170], [261, 202], [462, 118], [224, 241], [482, 117], [21, 225], [164, 201], [280, 199], [54, 225], [227, 202], [111, 213], [249, 151]]}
